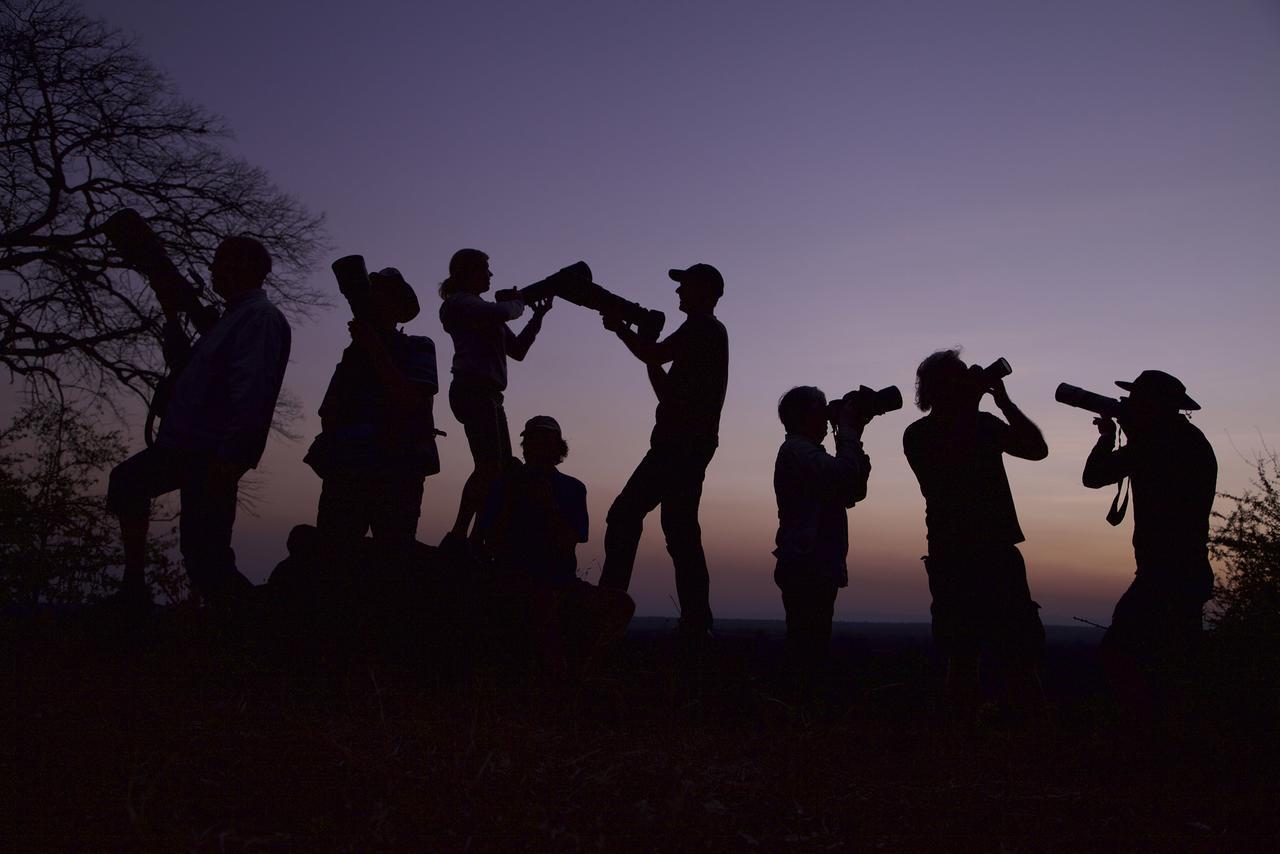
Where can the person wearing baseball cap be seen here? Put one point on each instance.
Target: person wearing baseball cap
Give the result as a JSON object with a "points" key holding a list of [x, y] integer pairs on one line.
{"points": [[685, 436], [532, 522], [377, 441], [1173, 473]]}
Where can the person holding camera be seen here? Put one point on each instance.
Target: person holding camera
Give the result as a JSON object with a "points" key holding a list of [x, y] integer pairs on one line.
{"points": [[214, 430], [684, 439], [377, 442], [481, 344], [531, 524], [1157, 626], [814, 491], [977, 577]]}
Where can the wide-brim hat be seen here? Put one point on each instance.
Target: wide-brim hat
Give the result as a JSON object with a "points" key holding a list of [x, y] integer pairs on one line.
{"points": [[1161, 388], [702, 274], [405, 301]]}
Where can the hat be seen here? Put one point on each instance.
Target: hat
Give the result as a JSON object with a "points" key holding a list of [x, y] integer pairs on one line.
{"points": [[406, 301], [701, 273], [541, 422], [1159, 387]]}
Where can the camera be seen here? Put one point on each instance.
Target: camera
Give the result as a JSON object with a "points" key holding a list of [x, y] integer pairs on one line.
{"points": [[869, 402], [574, 284], [353, 283], [1099, 404], [994, 372], [141, 249]]}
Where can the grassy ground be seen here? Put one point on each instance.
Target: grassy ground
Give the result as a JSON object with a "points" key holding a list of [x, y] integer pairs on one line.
{"points": [[180, 736]]}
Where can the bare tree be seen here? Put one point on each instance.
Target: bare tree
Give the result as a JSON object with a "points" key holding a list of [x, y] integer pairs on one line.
{"points": [[88, 127]]}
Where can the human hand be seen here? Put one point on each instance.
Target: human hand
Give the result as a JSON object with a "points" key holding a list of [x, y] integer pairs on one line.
{"points": [[999, 393], [362, 333], [1106, 427], [613, 322], [541, 306]]}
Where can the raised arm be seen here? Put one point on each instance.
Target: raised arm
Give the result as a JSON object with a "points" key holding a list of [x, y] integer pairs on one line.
{"points": [[1024, 439], [470, 310], [1106, 463], [518, 345], [842, 477]]}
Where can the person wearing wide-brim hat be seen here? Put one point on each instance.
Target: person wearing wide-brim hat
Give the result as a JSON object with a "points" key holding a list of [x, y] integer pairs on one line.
{"points": [[1173, 472], [377, 441]]}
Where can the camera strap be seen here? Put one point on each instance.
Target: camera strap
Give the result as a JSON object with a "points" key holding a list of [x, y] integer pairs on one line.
{"points": [[1118, 508]]}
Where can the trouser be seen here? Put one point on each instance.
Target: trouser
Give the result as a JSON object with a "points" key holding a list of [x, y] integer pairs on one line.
{"points": [[356, 502], [810, 606], [478, 407], [670, 476], [207, 517], [982, 599], [1160, 621]]}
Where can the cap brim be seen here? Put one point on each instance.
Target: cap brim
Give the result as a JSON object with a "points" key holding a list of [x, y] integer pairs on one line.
{"points": [[678, 275]]}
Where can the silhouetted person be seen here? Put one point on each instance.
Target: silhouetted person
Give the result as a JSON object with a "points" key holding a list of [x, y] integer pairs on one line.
{"points": [[214, 430], [976, 574], [1157, 622], [684, 439], [814, 491], [377, 443], [532, 522], [481, 344]]}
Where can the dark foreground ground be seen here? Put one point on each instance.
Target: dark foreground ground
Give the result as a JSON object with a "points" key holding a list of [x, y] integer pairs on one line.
{"points": [[181, 737]]}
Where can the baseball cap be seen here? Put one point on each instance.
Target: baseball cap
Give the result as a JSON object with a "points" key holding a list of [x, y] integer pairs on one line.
{"points": [[702, 274]]}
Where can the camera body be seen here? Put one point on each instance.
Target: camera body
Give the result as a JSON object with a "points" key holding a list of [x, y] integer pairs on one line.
{"points": [[353, 283], [869, 402], [1099, 404], [574, 284]]}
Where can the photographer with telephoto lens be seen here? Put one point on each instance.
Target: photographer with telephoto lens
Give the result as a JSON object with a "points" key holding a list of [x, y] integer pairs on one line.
{"points": [[1157, 626], [377, 441], [481, 344], [976, 574], [814, 491]]}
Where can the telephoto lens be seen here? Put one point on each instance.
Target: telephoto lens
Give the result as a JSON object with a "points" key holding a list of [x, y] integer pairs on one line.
{"points": [[1099, 404], [870, 402], [353, 283], [997, 370]]}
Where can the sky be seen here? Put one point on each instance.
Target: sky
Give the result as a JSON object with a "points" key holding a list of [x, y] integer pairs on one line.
{"points": [[1088, 189]]}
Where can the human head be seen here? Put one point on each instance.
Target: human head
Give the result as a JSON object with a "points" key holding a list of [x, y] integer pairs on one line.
{"points": [[240, 264], [468, 272], [542, 442], [1154, 397], [701, 287], [394, 301], [943, 383], [803, 410]]}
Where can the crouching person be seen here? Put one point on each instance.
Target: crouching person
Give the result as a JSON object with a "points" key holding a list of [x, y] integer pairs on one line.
{"points": [[814, 490], [531, 524]]}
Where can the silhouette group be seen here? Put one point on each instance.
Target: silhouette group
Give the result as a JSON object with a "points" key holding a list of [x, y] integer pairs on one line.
{"points": [[522, 520]]}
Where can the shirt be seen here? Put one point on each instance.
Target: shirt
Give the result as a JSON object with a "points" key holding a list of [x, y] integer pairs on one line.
{"points": [[692, 395], [968, 504], [534, 523], [481, 339], [813, 490], [224, 398], [1175, 475], [360, 429]]}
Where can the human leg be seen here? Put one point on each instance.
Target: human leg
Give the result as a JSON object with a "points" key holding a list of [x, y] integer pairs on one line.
{"points": [[625, 521], [680, 502], [131, 487], [484, 420], [204, 536]]}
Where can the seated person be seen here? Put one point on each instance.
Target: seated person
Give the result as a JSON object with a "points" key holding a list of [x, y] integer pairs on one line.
{"points": [[531, 524]]}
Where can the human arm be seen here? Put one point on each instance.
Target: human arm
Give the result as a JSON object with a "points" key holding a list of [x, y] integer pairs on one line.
{"points": [[518, 345], [468, 309], [842, 477], [1106, 464], [653, 353], [1023, 438], [403, 393]]}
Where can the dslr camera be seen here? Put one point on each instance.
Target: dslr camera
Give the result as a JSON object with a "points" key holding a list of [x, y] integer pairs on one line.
{"points": [[574, 284], [868, 401], [353, 283], [993, 373]]}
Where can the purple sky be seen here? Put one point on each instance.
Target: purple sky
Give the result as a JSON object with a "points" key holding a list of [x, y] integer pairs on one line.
{"points": [[1086, 188]]}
